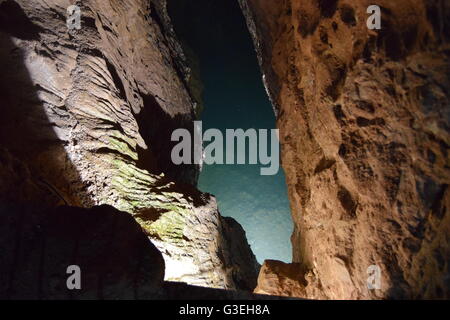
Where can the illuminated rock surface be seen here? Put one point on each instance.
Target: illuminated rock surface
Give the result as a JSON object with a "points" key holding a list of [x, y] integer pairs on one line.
{"points": [[364, 127], [86, 120], [283, 279]]}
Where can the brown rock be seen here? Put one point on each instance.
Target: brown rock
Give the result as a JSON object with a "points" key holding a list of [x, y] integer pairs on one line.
{"points": [[364, 127], [277, 278], [281, 279]]}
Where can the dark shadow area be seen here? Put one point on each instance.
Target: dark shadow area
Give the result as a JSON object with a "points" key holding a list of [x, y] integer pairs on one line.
{"points": [[32, 152], [156, 128], [15, 22], [116, 259]]}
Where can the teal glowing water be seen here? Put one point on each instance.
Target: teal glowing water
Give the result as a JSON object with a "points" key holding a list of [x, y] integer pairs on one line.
{"points": [[234, 97], [258, 203]]}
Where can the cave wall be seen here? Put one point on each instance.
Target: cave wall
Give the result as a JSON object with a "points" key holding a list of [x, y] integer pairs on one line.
{"points": [[86, 120], [364, 127], [115, 258]]}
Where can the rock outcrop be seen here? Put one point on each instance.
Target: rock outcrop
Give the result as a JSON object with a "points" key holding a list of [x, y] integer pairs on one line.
{"points": [[277, 278], [364, 127], [202, 248], [87, 117]]}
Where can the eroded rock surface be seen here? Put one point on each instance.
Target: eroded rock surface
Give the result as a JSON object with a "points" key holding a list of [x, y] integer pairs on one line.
{"points": [[277, 278], [202, 248], [364, 127], [87, 117]]}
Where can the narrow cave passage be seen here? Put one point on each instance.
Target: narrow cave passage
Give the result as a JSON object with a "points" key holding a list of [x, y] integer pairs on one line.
{"points": [[216, 40]]}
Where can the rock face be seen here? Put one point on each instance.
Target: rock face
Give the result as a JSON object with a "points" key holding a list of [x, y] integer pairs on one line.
{"points": [[364, 126], [277, 278], [202, 248], [87, 117]]}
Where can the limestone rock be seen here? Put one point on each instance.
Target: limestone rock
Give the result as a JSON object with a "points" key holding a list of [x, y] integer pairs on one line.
{"points": [[364, 127], [239, 260], [87, 116], [202, 248], [277, 278], [282, 279]]}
